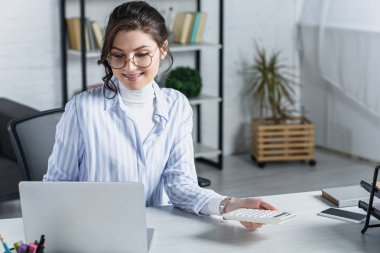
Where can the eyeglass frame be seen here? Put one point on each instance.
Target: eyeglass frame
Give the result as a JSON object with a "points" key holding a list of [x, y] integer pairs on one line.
{"points": [[132, 60]]}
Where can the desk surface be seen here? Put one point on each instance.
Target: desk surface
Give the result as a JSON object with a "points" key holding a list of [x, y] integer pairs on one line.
{"points": [[177, 231]]}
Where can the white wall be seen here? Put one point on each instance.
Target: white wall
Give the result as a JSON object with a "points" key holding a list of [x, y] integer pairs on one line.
{"points": [[30, 54], [339, 70], [30, 49], [271, 24]]}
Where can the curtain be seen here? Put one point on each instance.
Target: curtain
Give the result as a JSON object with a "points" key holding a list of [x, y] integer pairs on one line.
{"points": [[341, 39]]}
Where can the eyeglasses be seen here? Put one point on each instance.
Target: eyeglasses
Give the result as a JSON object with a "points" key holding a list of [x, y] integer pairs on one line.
{"points": [[140, 60]]}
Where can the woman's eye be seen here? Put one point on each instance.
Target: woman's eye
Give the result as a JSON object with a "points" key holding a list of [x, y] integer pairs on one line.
{"points": [[141, 55], [118, 56]]}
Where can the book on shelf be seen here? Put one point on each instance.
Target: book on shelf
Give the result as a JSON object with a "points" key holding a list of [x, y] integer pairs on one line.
{"points": [[182, 27], [194, 29], [345, 196], [91, 36], [201, 27], [73, 32], [86, 36], [98, 34], [92, 32], [188, 27]]}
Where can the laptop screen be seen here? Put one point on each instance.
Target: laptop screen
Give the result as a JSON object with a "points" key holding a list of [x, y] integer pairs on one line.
{"points": [[85, 216]]}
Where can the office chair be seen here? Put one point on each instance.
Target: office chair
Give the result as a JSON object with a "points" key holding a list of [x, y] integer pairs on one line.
{"points": [[33, 138]]}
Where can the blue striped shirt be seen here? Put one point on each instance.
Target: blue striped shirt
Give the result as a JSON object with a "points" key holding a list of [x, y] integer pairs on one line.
{"points": [[96, 140]]}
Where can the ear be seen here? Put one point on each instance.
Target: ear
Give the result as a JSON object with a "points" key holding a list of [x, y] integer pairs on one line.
{"points": [[164, 49]]}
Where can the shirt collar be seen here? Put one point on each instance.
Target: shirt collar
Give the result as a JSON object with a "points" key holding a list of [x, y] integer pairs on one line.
{"points": [[162, 108], [111, 100], [141, 96]]}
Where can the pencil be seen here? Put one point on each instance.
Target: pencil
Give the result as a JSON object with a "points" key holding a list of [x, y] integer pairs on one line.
{"points": [[7, 250]]}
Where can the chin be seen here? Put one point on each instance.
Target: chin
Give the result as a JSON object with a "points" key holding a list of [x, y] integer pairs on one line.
{"points": [[132, 86], [136, 84]]}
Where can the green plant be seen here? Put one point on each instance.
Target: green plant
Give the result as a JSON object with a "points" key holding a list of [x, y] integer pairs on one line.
{"points": [[272, 86], [186, 80]]}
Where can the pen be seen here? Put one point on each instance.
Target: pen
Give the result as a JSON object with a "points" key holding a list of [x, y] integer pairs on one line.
{"points": [[17, 244], [23, 248], [32, 248], [40, 245], [4, 245]]}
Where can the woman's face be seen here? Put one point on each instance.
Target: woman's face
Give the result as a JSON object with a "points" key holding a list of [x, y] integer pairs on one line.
{"points": [[141, 47]]}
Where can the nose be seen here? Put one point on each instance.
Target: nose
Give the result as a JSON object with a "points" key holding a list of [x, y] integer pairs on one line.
{"points": [[129, 64]]}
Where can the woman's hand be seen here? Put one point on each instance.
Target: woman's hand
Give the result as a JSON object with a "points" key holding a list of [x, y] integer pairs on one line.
{"points": [[253, 203]]}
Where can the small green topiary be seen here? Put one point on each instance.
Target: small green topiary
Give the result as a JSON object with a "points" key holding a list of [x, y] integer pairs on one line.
{"points": [[186, 80]]}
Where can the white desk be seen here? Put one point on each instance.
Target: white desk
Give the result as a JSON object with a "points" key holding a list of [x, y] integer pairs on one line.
{"points": [[177, 231]]}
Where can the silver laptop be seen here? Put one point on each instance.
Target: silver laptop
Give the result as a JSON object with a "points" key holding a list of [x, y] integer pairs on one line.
{"points": [[85, 216]]}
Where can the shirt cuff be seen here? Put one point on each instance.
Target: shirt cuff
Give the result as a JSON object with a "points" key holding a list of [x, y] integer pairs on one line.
{"points": [[212, 206]]}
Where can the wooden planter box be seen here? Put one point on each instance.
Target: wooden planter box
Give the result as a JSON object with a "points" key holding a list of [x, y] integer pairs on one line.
{"points": [[290, 140]]}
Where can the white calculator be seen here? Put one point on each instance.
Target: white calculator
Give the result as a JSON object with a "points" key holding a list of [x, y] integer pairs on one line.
{"points": [[259, 216]]}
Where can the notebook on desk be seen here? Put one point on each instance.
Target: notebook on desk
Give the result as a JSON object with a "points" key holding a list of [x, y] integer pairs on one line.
{"points": [[345, 196], [85, 216]]}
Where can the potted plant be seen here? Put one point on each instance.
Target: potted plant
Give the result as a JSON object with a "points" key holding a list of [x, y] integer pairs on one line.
{"points": [[186, 80], [277, 135]]}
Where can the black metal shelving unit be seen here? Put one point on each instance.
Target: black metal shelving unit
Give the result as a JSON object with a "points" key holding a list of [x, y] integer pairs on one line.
{"points": [[62, 12], [201, 152], [369, 208]]}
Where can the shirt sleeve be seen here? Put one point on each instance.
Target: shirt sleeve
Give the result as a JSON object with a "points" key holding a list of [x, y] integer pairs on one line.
{"points": [[212, 206], [179, 175], [65, 159]]}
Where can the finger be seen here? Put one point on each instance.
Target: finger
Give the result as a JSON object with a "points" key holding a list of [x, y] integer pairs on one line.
{"points": [[251, 225], [266, 205]]}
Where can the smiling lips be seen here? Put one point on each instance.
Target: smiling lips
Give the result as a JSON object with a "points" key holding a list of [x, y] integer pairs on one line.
{"points": [[132, 77]]}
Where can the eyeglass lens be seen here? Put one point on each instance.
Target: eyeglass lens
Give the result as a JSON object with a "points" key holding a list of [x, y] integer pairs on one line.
{"points": [[141, 60]]}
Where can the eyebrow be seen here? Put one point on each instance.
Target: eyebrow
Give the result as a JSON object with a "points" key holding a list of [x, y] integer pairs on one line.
{"points": [[138, 48]]}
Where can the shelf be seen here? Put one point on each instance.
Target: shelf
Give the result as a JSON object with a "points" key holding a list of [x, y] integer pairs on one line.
{"points": [[174, 47], [375, 210], [204, 99], [368, 188], [190, 51], [204, 151], [89, 54]]}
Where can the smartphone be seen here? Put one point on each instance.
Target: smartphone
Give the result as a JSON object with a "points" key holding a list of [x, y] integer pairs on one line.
{"points": [[343, 215]]}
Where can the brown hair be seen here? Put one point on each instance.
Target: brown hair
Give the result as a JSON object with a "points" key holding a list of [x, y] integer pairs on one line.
{"points": [[131, 16]]}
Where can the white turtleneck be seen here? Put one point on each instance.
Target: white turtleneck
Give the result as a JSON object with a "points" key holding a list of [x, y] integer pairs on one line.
{"points": [[140, 106]]}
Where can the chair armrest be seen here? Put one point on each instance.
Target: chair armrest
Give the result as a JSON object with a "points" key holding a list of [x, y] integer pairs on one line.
{"points": [[203, 182]]}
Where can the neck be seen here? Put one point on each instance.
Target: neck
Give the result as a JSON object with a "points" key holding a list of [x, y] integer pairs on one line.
{"points": [[141, 96]]}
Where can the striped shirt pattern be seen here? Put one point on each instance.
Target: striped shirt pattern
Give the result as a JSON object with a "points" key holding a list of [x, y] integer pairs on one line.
{"points": [[96, 140]]}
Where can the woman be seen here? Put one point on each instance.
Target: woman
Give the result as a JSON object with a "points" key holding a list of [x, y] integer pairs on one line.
{"points": [[130, 129]]}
